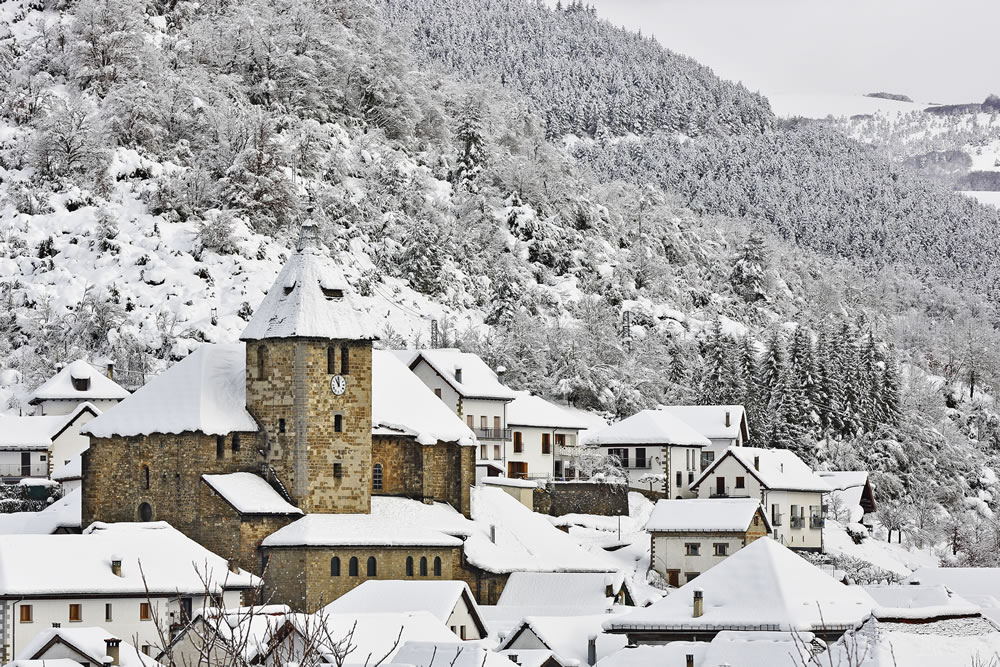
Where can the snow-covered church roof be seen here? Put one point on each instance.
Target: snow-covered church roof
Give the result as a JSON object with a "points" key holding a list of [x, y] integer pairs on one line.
{"points": [[204, 392], [310, 298], [648, 427], [93, 385]]}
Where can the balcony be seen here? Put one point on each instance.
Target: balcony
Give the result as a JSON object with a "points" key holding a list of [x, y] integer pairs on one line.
{"points": [[797, 522], [817, 522], [493, 433], [727, 492], [17, 471]]}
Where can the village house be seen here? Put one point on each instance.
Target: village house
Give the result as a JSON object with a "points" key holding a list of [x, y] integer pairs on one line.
{"points": [[762, 588], [658, 451], [135, 580], [226, 636], [75, 384], [851, 499], [31, 446], [688, 537], [724, 425], [543, 435], [474, 392], [85, 646], [572, 640], [791, 493]]}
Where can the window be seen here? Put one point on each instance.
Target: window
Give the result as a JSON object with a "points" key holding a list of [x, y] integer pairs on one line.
{"points": [[107, 611], [335, 566], [437, 392], [345, 363], [437, 567], [81, 384], [236, 442], [144, 611], [621, 455], [470, 421], [145, 475], [691, 576], [377, 477], [706, 459], [680, 479], [741, 482], [546, 443], [352, 566], [692, 549], [691, 477], [261, 362], [496, 424], [75, 613], [26, 613], [338, 470], [461, 634], [409, 566], [756, 519], [518, 445], [338, 423], [496, 452], [281, 425], [331, 360], [721, 549], [423, 566], [640, 457], [145, 512], [482, 452], [483, 423], [220, 447], [187, 606], [560, 440]]}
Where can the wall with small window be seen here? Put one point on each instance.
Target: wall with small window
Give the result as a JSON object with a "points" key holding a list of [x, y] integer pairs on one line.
{"points": [[675, 556]]}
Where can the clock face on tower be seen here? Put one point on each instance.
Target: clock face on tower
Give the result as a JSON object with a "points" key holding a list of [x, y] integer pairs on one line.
{"points": [[338, 384]]}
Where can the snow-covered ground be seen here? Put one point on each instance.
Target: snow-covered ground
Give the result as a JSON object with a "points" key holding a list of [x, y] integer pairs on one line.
{"points": [[789, 105], [989, 198], [898, 558]]}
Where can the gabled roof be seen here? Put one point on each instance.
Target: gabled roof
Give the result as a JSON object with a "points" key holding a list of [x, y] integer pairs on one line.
{"points": [[377, 596], [249, 494], [705, 515], [539, 589], [38, 431], [478, 379], [763, 586], [66, 566], [775, 469], [452, 653], [206, 392], [327, 530], [246, 631], [528, 410], [918, 603], [566, 636], [403, 405], [648, 427], [710, 420], [88, 643], [60, 386], [311, 298]]}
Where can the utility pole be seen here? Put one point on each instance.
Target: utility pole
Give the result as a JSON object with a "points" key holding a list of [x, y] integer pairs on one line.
{"points": [[627, 331], [434, 335]]}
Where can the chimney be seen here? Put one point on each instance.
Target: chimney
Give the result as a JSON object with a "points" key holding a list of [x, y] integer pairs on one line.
{"points": [[689, 660], [592, 650], [458, 374], [234, 567], [111, 370], [727, 418], [116, 566], [699, 603], [111, 647], [756, 463], [500, 373], [493, 533]]}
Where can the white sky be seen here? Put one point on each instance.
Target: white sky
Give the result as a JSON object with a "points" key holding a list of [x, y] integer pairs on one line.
{"points": [[931, 50]]}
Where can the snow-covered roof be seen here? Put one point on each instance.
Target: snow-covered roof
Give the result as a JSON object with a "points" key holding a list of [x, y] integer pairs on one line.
{"points": [[38, 432], [841, 480], [539, 589], [504, 619], [528, 410], [764, 586], [60, 386], [703, 515], [568, 636], [452, 654], [377, 596], [89, 642], [206, 392], [53, 662], [648, 427], [710, 420], [739, 649], [63, 513], [916, 602], [478, 379], [775, 469], [70, 565], [969, 582], [71, 469], [592, 423], [402, 404], [245, 630], [327, 530], [249, 494], [536, 657], [311, 298]]}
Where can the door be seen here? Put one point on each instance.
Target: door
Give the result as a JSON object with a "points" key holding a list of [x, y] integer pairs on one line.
{"points": [[720, 486], [674, 578], [25, 464]]}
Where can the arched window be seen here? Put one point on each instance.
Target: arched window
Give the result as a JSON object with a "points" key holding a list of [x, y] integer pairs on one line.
{"points": [[220, 447], [331, 360], [145, 475], [352, 566], [338, 423], [261, 362], [335, 566], [145, 512], [409, 566], [377, 477], [423, 566], [345, 365], [236, 442], [372, 567], [437, 566]]}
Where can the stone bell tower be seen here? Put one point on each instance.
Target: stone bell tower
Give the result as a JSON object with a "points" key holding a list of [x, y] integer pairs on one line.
{"points": [[309, 382]]}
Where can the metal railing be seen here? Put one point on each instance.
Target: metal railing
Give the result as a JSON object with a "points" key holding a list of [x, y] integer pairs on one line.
{"points": [[9, 470], [493, 433], [817, 522], [727, 492]]}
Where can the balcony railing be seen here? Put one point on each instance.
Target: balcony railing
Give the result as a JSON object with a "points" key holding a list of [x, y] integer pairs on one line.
{"points": [[797, 521], [817, 522], [9, 470], [493, 433], [727, 492]]}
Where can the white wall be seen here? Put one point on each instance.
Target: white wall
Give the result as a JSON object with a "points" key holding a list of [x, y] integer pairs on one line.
{"points": [[434, 381], [66, 406], [671, 553], [531, 453], [70, 442], [10, 463], [461, 616]]}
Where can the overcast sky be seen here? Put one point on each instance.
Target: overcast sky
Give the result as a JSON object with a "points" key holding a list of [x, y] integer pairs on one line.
{"points": [[931, 50]]}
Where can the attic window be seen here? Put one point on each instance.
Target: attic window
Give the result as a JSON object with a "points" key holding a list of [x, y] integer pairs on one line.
{"points": [[289, 286], [81, 384], [332, 293]]}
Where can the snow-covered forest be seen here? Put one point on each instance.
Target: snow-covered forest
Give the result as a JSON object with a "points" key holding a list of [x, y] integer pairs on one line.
{"points": [[156, 158]]}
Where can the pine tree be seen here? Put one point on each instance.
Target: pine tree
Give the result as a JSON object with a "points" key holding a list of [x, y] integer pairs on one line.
{"points": [[750, 270], [802, 376], [891, 407]]}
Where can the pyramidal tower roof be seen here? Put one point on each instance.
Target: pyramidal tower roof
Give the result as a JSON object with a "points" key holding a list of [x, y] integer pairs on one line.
{"points": [[310, 298]]}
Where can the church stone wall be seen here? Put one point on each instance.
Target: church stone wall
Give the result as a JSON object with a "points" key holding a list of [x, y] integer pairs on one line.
{"points": [[444, 472]]}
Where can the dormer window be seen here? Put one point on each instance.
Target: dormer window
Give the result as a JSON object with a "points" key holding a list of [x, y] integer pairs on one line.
{"points": [[332, 294], [81, 384], [289, 287]]}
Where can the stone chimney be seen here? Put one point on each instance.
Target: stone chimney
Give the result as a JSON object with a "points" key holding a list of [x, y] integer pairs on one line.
{"points": [[110, 370], [116, 566], [111, 648], [501, 370], [727, 418], [458, 374], [756, 463], [592, 650], [234, 567], [699, 603]]}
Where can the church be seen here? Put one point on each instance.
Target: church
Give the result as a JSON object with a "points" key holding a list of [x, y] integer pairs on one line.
{"points": [[285, 437]]}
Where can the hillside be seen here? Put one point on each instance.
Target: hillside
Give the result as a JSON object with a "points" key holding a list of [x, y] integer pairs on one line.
{"points": [[156, 159]]}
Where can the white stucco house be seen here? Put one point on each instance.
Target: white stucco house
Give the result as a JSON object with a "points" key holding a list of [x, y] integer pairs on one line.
{"points": [[790, 492], [85, 646], [544, 437], [658, 451], [96, 579], [77, 383], [32, 446], [724, 425], [474, 392]]}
